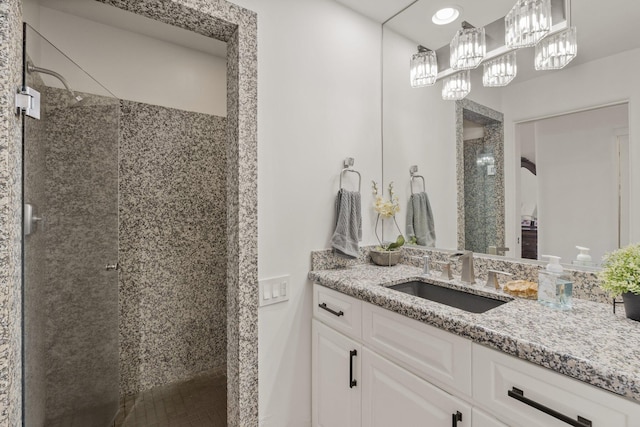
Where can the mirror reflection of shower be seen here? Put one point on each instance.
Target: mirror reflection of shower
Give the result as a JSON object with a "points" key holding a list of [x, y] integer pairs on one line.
{"points": [[33, 69]]}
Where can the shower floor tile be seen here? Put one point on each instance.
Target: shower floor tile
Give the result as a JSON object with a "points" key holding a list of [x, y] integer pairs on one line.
{"points": [[198, 402]]}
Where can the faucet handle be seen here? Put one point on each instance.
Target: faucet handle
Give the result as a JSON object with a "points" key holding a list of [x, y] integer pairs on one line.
{"points": [[445, 267], [492, 278]]}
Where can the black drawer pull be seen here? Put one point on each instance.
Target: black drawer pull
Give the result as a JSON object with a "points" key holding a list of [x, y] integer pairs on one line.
{"points": [[455, 418], [518, 394], [352, 382], [336, 313]]}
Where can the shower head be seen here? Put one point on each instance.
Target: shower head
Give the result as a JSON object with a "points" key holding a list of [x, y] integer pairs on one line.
{"points": [[33, 69]]}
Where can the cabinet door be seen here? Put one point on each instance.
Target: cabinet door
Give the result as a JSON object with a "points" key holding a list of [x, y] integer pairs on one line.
{"points": [[392, 396], [480, 419], [525, 395], [336, 396]]}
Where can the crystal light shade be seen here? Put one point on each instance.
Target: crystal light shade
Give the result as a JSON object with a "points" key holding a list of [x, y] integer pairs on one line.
{"points": [[527, 23], [456, 86], [500, 71], [556, 51], [467, 49], [424, 68]]}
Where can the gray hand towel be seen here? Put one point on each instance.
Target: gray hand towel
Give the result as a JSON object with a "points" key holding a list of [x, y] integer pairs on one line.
{"points": [[348, 224], [420, 220]]}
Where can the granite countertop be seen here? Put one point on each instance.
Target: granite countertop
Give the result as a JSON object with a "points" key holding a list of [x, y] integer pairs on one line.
{"points": [[588, 342]]}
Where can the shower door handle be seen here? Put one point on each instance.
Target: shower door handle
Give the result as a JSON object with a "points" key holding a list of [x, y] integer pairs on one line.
{"points": [[112, 267], [30, 219]]}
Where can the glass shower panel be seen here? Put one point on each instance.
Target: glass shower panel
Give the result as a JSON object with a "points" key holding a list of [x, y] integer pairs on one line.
{"points": [[70, 291]]}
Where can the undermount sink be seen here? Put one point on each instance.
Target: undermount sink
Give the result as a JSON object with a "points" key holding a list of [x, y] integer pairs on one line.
{"points": [[452, 297]]}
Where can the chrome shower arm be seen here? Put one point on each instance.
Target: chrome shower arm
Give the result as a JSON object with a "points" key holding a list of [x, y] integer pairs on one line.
{"points": [[32, 68]]}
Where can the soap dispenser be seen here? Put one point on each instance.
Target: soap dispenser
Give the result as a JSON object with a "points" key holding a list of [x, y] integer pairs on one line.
{"points": [[583, 257], [554, 290]]}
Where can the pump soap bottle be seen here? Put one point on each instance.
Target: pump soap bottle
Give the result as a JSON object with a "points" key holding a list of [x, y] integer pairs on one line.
{"points": [[553, 289], [583, 257]]}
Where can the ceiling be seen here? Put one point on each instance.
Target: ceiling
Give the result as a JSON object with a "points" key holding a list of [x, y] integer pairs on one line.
{"points": [[109, 15]]}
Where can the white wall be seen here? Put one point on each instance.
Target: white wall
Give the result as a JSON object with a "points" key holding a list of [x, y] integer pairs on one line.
{"points": [[577, 165], [608, 80], [130, 65], [419, 129], [318, 102]]}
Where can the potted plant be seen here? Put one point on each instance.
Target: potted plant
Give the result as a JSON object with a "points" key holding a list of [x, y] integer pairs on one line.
{"points": [[620, 275], [386, 253]]}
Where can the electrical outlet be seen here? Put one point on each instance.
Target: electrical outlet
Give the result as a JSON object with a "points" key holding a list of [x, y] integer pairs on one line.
{"points": [[273, 290]]}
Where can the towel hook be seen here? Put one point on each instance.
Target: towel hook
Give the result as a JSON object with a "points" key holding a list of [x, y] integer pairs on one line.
{"points": [[413, 174], [348, 162]]}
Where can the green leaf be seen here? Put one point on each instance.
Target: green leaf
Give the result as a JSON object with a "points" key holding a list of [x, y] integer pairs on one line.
{"points": [[399, 242]]}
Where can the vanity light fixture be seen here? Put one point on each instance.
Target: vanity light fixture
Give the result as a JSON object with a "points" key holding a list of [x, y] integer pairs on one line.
{"points": [[424, 67], [468, 47], [527, 23], [500, 71], [446, 15], [555, 51], [456, 86]]}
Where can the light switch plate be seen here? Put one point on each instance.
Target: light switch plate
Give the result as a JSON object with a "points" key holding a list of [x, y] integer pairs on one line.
{"points": [[273, 290]]}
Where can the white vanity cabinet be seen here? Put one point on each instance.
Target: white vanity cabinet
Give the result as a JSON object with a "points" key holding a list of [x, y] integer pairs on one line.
{"points": [[373, 367], [392, 396], [528, 395], [335, 378]]}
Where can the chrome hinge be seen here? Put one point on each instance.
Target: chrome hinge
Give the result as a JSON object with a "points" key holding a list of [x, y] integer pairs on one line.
{"points": [[28, 101]]}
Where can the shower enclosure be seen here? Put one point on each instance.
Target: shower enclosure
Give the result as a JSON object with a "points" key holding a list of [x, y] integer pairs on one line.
{"points": [[70, 277]]}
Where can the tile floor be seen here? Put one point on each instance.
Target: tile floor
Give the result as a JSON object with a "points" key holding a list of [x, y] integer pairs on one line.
{"points": [[198, 402]]}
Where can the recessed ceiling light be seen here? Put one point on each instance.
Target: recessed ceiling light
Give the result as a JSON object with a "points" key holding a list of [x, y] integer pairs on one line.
{"points": [[446, 15]]}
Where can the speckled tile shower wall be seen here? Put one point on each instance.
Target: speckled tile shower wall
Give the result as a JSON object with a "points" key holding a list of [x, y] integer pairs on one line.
{"points": [[10, 213], [238, 27], [493, 123], [482, 192], [35, 306], [81, 237], [172, 245]]}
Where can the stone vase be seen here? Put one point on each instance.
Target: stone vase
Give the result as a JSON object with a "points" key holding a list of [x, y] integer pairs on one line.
{"points": [[385, 258]]}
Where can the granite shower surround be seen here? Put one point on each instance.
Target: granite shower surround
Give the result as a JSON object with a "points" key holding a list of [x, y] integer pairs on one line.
{"points": [[215, 18], [172, 245], [10, 214], [481, 194], [238, 27], [466, 109], [81, 236]]}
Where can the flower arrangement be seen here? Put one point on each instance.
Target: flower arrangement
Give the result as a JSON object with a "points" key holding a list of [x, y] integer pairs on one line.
{"points": [[387, 209], [621, 271]]}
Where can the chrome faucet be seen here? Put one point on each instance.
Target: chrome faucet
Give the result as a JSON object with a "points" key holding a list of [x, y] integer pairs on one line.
{"points": [[467, 275]]}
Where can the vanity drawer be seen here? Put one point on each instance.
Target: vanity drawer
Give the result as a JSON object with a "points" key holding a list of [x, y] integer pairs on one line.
{"points": [[340, 311], [497, 375], [431, 353]]}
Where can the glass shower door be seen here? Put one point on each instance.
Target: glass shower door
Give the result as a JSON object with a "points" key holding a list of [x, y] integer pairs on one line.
{"points": [[70, 286]]}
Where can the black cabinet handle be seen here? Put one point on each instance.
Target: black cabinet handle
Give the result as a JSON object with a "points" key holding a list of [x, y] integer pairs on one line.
{"points": [[336, 313], [518, 394], [352, 382], [455, 418]]}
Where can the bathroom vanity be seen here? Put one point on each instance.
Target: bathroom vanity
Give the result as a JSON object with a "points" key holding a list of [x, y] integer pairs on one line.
{"points": [[382, 357]]}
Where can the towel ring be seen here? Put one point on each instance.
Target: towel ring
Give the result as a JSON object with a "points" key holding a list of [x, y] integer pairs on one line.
{"points": [[354, 171], [413, 174]]}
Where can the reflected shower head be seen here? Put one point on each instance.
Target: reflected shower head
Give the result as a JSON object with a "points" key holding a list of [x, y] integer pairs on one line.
{"points": [[33, 69]]}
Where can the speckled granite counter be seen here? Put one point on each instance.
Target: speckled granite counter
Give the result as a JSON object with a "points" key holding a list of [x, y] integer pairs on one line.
{"points": [[588, 343]]}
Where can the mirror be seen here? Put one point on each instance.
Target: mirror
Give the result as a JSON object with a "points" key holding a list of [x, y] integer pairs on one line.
{"points": [[421, 129]]}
